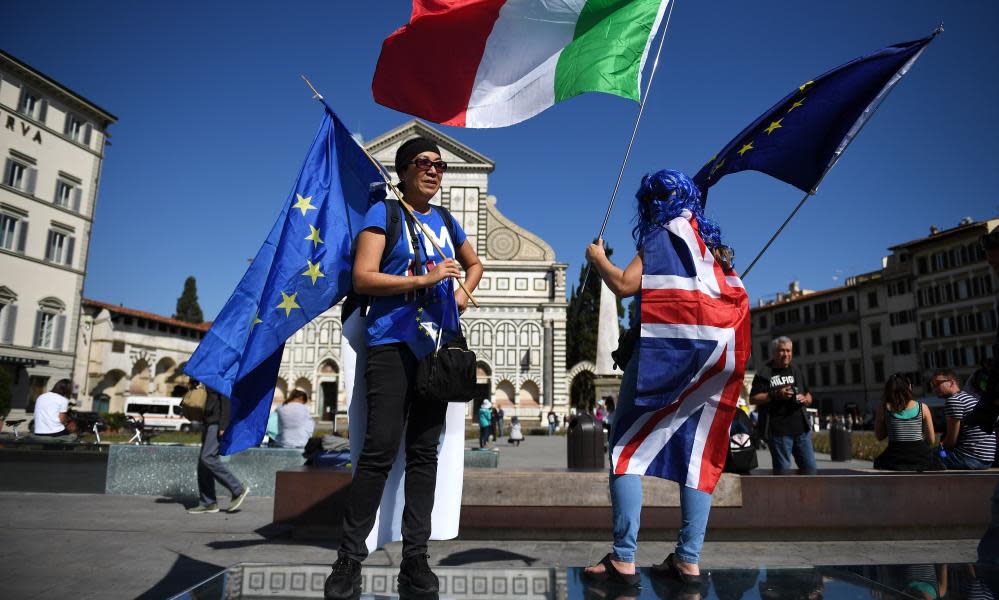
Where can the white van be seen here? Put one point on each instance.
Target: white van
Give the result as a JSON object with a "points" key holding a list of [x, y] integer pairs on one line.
{"points": [[158, 412]]}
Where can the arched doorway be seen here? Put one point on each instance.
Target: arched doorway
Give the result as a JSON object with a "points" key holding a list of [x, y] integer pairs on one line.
{"points": [[140, 378], [504, 395], [109, 393], [582, 392], [328, 376], [529, 395]]}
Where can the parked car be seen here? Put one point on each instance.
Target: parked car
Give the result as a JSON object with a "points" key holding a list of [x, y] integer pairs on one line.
{"points": [[157, 412]]}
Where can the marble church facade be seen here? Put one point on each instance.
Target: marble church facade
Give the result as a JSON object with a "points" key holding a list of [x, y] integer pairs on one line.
{"points": [[518, 332]]}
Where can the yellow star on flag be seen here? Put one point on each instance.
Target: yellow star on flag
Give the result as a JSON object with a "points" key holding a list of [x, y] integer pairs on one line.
{"points": [[796, 105], [773, 126], [805, 85], [745, 148], [288, 303], [256, 320], [313, 272], [718, 166], [314, 237], [304, 204]]}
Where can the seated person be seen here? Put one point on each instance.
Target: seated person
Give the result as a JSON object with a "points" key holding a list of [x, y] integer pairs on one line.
{"points": [[967, 446], [909, 428], [516, 433], [51, 408], [295, 424]]}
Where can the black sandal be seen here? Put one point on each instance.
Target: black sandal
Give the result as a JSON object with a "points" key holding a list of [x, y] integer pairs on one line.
{"points": [[668, 569], [613, 576]]}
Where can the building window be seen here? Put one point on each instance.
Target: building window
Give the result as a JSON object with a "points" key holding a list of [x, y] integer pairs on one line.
{"points": [[810, 346], [851, 305], [764, 350], [838, 342], [823, 344], [763, 321], [118, 347], [876, 336], [879, 370], [50, 324], [32, 105], [855, 374], [8, 314], [46, 330], [872, 300], [854, 340], [811, 374], [78, 130], [67, 195], [59, 248], [824, 369], [8, 226], [840, 374]]}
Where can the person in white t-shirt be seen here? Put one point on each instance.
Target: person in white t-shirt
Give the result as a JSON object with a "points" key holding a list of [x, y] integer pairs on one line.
{"points": [[51, 408], [295, 423]]}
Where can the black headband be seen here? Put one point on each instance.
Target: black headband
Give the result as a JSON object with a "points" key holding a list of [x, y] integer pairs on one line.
{"points": [[410, 150]]}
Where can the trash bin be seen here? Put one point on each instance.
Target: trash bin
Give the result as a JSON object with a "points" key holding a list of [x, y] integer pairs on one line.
{"points": [[586, 444], [839, 442]]}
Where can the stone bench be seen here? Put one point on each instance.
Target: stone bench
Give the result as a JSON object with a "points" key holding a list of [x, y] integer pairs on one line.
{"points": [[835, 504], [65, 468], [172, 470]]}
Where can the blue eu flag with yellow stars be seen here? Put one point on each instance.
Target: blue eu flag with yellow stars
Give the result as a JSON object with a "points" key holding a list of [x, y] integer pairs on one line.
{"points": [[803, 135], [301, 270]]}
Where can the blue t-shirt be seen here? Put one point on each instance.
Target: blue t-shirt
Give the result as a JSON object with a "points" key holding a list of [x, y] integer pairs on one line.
{"points": [[389, 317]]}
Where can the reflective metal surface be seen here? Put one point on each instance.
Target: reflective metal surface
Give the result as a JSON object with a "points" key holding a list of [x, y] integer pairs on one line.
{"points": [[885, 582]]}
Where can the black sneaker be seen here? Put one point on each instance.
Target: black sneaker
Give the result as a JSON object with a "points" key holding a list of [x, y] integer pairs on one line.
{"points": [[344, 583], [415, 575]]}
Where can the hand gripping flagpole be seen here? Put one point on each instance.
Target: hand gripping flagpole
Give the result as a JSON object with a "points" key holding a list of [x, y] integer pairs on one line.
{"points": [[843, 145], [388, 181], [634, 132]]}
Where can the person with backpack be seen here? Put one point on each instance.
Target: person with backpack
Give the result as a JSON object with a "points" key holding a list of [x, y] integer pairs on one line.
{"points": [[398, 269]]}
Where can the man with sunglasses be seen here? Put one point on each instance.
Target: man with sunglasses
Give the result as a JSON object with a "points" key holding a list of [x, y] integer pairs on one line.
{"points": [[967, 446]]}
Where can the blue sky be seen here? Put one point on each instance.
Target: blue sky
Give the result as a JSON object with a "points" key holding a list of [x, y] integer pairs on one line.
{"points": [[214, 123]]}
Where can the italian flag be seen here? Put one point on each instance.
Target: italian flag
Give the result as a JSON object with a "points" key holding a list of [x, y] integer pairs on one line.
{"points": [[492, 63]]}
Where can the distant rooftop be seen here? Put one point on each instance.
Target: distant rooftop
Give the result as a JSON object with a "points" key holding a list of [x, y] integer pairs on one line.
{"points": [[116, 308], [18, 63]]}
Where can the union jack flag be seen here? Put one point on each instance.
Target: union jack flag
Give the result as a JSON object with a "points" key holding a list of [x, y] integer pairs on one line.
{"points": [[692, 354]]}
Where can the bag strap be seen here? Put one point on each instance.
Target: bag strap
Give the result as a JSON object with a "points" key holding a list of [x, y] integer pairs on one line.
{"points": [[451, 224]]}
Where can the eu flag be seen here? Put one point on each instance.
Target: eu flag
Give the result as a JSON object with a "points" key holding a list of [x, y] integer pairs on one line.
{"points": [[301, 270], [803, 135]]}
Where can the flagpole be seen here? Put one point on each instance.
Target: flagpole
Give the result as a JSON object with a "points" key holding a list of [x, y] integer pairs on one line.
{"points": [[850, 137], [634, 133], [398, 194]]}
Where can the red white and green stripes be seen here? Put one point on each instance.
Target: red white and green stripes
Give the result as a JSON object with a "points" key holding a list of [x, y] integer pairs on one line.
{"points": [[492, 63]]}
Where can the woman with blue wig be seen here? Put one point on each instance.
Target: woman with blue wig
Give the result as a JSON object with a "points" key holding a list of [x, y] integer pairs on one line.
{"points": [[662, 197]]}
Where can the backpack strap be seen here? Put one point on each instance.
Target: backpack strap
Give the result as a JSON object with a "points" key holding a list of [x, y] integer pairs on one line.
{"points": [[393, 227], [452, 226]]}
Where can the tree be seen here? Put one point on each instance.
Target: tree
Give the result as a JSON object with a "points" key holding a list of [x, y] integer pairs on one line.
{"points": [[188, 308], [584, 314]]}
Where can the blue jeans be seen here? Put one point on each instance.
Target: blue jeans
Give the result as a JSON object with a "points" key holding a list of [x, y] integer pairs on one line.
{"points": [[782, 447], [956, 459], [626, 499]]}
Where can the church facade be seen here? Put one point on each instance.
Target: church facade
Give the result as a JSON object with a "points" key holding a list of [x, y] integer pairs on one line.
{"points": [[518, 332]]}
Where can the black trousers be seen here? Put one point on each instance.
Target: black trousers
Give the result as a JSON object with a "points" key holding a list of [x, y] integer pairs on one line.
{"points": [[394, 409]]}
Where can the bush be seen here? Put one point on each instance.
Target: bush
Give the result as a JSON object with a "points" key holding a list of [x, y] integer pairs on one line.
{"points": [[864, 446], [114, 421]]}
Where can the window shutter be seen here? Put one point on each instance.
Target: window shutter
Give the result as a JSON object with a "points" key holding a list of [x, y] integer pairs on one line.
{"points": [[48, 245], [22, 238], [24, 97], [29, 186], [38, 329], [69, 250], [66, 126], [8, 326], [44, 111], [87, 131], [60, 331], [6, 170], [77, 193]]}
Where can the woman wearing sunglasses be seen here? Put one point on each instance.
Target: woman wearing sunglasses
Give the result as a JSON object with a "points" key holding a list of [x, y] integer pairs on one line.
{"points": [[398, 282]]}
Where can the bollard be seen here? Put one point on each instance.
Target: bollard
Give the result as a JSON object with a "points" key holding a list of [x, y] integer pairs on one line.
{"points": [[839, 442]]}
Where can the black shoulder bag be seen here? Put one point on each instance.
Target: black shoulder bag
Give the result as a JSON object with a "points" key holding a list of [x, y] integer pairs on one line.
{"points": [[448, 373]]}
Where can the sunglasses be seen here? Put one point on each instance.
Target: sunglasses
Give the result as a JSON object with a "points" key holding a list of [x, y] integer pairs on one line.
{"points": [[424, 164]]}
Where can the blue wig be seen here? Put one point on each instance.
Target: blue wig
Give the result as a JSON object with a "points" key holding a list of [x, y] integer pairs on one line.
{"points": [[662, 197]]}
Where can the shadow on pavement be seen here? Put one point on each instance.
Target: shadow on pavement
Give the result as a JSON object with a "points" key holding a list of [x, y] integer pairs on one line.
{"points": [[184, 573], [482, 555]]}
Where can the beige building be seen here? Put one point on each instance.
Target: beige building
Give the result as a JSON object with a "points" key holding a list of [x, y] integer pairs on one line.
{"points": [[126, 352], [52, 143], [518, 332], [932, 305]]}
